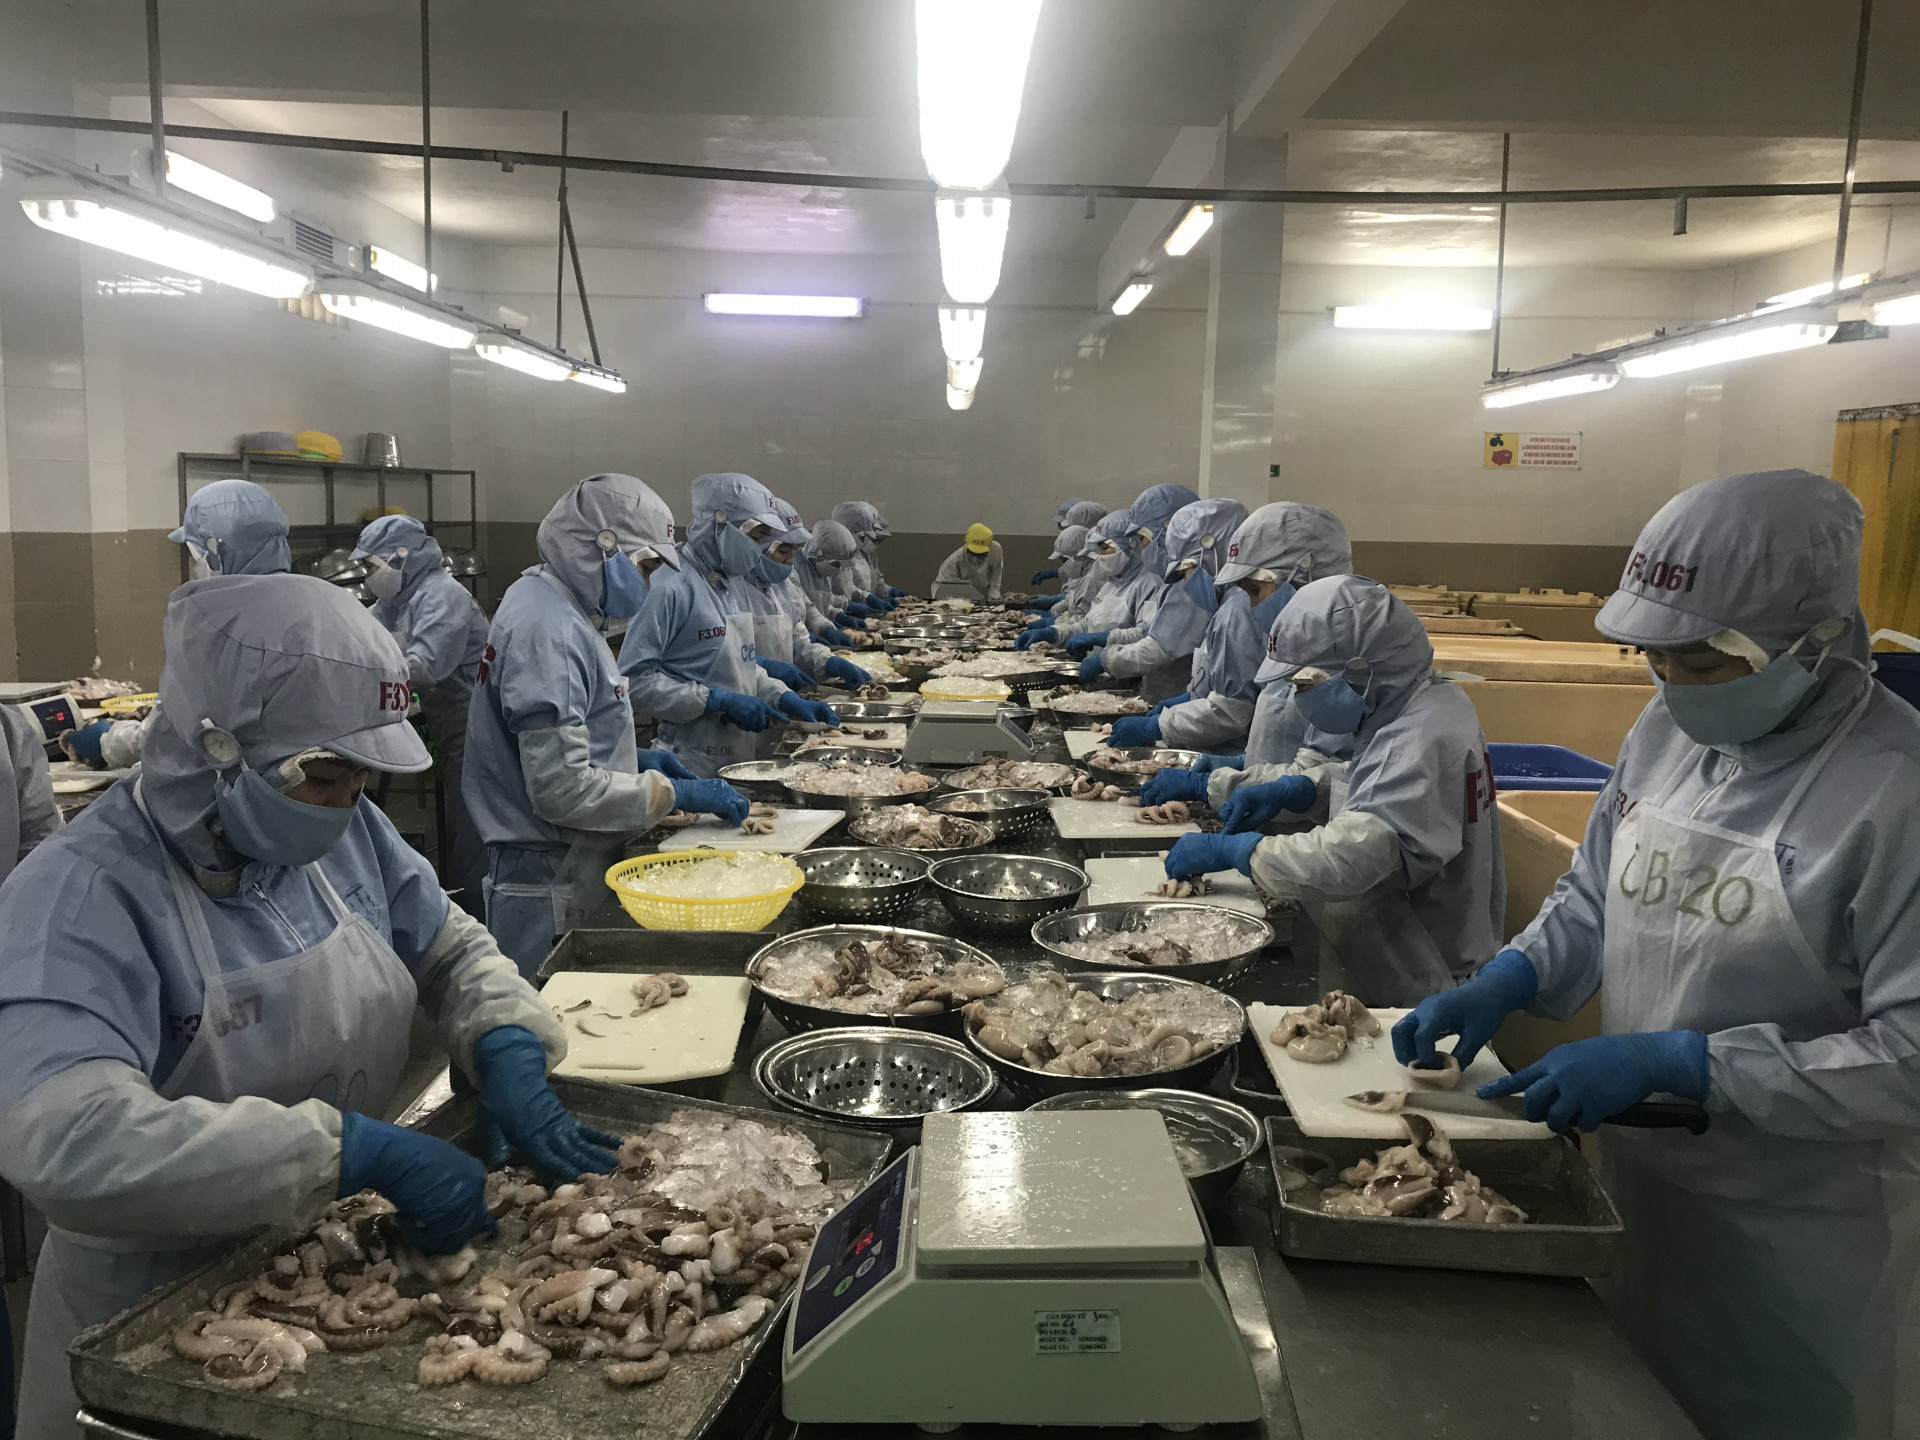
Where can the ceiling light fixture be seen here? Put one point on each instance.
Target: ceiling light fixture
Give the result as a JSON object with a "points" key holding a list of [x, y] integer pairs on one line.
{"points": [[356, 300], [1129, 299], [150, 232], [1740, 338], [972, 67], [1411, 315], [965, 374], [398, 267], [601, 378], [1550, 384], [963, 331], [973, 242], [517, 354], [1898, 310], [209, 184], [959, 399], [809, 307], [1813, 292], [1195, 223]]}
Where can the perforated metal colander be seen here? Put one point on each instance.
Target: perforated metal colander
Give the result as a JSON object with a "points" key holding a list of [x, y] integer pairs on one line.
{"points": [[872, 1076], [861, 882]]}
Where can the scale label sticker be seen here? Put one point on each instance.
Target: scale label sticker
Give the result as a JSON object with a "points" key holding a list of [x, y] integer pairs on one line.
{"points": [[1076, 1332]]}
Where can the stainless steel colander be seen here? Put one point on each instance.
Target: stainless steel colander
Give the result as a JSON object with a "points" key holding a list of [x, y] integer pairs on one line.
{"points": [[867, 883], [872, 1076]]}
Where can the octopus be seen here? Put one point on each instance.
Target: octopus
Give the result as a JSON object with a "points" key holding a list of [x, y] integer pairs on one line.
{"points": [[914, 827], [1174, 812], [932, 981], [1318, 1035], [872, 690], [759, 821], [1048, 1025], [812, 779], [1000, 773], [650, 992], [1443, 1076], [1422, 1179], [1070, 701], [1085, 788], [1120, 763], [1183, 889]]}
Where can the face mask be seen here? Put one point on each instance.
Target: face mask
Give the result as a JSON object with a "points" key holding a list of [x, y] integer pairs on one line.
{"points": [[771, 570], [1333, 706], [198, 567], [1737, 711], [1073, 569], [263, 824], [384, 581], [1201, 589], [1108, 567], [623, 589], [1268, 610], [738, 554]]}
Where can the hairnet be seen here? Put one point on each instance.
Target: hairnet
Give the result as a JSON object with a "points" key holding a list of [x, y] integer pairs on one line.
{"points": [[860, 517], [1063, 509], [1201, 531], [384, 537], [1071, 543], [1157, 505], [727, 498], [1085, 512], [1297, 542], [1118, 527], [1346, 617], [239, 526], [830, 542], [569, 538]]}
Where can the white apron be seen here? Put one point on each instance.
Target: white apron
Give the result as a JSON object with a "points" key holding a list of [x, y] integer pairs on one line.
{"points": [[331, 1023], [1758, 1271]]}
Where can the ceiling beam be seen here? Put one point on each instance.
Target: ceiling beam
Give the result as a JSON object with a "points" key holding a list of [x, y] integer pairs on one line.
{"points": [[1292, 50]]}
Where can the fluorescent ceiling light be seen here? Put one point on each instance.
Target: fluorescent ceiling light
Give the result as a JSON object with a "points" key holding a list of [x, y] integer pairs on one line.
{"points": [[120, 223], [601, 378], [1814, 292], [1195, 223], [1130, 298], [973, 240], [518, 355], [354, 300], [1718, 346], [813, 307], [209, 184], [963, 330], [1550, 385], [1898, 310], [959, 399], [964, 374], [972, 67], [398, 267], [1411, 315]]}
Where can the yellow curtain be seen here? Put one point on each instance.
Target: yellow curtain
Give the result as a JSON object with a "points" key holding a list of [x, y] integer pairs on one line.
{"points": [[1876, 455]]}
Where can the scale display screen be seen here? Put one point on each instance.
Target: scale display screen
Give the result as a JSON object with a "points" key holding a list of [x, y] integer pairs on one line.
{"points": [[857, 1249], [55, 714]]}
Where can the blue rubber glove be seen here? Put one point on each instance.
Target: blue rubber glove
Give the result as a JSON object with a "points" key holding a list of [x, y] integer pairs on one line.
{"points": [[439, 1189], [1207, 764], [1045, 633], [1577, 1086], [1040, 605], [1252, 806], [896, 592], [1182, 698], [1473, 1010], [789, 675], [858, 611], [1130, 729], [1093, 667], [831, 636], [1040, 576], [839, 668], [665, 762], [84, 744], [518, 1110], [710, 797], [1082, 641], [815, 712], [1189, 785], [749, 712], [877, 601], [1210, 854]]}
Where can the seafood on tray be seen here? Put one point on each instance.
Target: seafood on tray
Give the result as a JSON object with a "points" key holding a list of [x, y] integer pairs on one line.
{"points": [[872, 690], [914, 827], [890, 975], [815, 779], [1186, 889], [995, 664], [1174, 812], [759, 821], [650, 992], [1000, 773], [1069, 701], [686, 1247], [1085, 788], [1197, 936], [1049, 1024], [1421, 1180], [1121, 763], [1321, 1033]]}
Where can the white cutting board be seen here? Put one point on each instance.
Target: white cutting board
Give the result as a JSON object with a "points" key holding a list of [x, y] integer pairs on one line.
{"points": [[1082, 743], [1118, 879], [1108, 820], [1314, 1093], [692, 1036], [893, 738], [793, 831]]}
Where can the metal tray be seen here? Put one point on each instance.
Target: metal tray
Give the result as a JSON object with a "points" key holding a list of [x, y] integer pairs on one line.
{"points": [[127, 1367], [1572, 1229]]}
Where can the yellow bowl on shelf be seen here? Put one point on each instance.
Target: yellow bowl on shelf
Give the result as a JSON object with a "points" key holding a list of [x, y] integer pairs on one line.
{"points": [[121, 704], [686, 912]]}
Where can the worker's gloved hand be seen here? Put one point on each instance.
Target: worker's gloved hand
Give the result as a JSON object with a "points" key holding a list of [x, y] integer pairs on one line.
{"points": [[439, 1189], [83, 745], [831, 636], [1473, 1010], [1171, 700], [749, 712], [877, 601], [1093, 667], [842, 669], [710, 797], [1081, 641], [1577, 1086], [1252, 806], [855, 611], [814, 712], [1130, 729], [1052, 572], [1040, 605], [1045, 633], [1189, 785], [1209, 854], [790, 675], [665, 762], [518, 1110], [896, 592], [1207, 764]]}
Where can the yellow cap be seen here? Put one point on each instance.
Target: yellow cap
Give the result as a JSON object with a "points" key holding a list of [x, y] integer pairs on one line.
{"points": [[979, 539]]}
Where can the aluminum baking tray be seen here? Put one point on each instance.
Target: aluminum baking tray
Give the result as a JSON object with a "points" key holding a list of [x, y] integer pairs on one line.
{"points": [[1572, 1226], [127, 1367]]}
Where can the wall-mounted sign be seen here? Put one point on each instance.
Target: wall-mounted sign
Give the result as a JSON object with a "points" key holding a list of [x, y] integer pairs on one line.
{"points": [[1512, 450]]}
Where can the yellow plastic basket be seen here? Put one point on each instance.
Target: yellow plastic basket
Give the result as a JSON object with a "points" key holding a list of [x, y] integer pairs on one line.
{"points": [[931, 691], [121, 704], [675, 912]]}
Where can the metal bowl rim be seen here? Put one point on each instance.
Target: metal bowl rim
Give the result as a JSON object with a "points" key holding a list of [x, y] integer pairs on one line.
{"points": [[1044, 861], [1118, 906], [862, 851], [1095, 982], [1250, 1132]]}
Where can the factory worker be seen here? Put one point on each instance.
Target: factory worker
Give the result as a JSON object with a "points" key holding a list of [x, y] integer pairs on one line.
{"points": [[690, 655], [1160, 652], [816, 575], [28, 814], [443, 633], [1121, 614], [973, 572], [233, 527], [1074, 551], [1123, 588], [870, 531], [1280, 548], [1404, 880], [1072, 514], [1744, 904], [784, 648], [553, 779], [1063, 509], [207, 981]]}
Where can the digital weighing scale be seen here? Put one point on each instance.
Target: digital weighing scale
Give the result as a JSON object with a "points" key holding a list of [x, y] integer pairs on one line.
{"points": [[1019, 1269], [964, 732]]}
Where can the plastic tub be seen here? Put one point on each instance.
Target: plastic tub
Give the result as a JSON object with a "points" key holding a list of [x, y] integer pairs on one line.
{"points": [[681, 912], [1545, 767]]}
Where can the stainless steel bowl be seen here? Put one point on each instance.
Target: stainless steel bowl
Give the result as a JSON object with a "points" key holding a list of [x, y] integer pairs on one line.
{"points": [[1060, 778], [1033, 1084], [857, 826], [758, 779], [1081, 719], [873, 1075], [844, 755], [1135, 916], [926, 632], [1007, 813], [1130, 780], [798, 1015], [1213, 1138], [854, 805], [861, 882], [1006, 892], [876, 710]]}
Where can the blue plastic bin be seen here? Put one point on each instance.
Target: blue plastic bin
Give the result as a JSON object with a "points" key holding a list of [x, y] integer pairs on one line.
{"points": [[1545, 767], [1899, 671]]}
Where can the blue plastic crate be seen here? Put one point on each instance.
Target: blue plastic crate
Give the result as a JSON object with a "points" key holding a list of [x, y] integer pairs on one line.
{"points": [[1545, 767]]}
